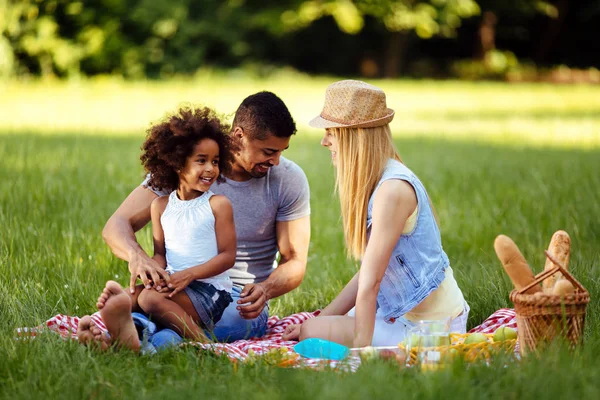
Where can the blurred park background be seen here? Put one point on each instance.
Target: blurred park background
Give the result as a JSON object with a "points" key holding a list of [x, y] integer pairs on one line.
{"points": [[114, 66], [514, 40], [497, 111]]}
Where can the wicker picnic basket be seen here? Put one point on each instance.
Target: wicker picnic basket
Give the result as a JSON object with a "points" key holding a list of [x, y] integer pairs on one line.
{"points": [[543, 317]]}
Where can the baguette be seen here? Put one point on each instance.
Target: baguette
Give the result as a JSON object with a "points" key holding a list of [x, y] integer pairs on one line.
{"points": [[563, 287], [514, 264], [560, 249]]}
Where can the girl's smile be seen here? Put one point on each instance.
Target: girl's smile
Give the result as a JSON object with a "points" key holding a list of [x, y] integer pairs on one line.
{"points": [[200, 171]]}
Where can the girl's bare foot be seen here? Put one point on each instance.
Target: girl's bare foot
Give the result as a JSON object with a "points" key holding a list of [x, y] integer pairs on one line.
{"points": [[115, 307], [88, 333]]}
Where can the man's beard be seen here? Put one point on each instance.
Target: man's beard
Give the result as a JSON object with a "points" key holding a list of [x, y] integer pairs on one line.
{"points": [[257, 174]]}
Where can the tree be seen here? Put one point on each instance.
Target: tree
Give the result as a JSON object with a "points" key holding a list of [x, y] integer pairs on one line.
{"points": [[42, 36], [426, 18]]}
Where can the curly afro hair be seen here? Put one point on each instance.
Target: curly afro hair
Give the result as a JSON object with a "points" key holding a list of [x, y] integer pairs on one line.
{"points": [[169, 143]]}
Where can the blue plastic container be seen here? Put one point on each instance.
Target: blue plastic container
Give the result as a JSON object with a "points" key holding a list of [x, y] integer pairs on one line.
{"points": [[320, 348]]}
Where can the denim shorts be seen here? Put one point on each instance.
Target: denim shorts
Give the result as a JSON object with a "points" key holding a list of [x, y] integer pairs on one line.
{"points": [[386, 334], [208, 301], [233, 327]]}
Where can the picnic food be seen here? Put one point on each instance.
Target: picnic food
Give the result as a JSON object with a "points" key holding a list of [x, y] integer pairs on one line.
{"points": [[560, 249], [368, 353], [563, 287], [559, 310], [475, 338], [469, 346], [515, 264], [504, 333], [392, 353], [280, 357]]}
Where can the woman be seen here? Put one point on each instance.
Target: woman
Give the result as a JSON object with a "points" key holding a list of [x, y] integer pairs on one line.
{"points": [[389, 224]]}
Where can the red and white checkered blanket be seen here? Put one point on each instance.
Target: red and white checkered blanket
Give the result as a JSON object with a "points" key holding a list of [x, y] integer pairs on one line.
{"points": [[502, 317], [66, 327]]}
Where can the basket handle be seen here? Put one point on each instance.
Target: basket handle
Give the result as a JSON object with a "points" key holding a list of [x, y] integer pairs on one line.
{"points": [[543, 275]]}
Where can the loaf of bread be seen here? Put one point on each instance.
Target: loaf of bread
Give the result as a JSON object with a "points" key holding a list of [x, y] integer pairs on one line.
{"points": [[515, 264], [563, 287], [560, 249]]}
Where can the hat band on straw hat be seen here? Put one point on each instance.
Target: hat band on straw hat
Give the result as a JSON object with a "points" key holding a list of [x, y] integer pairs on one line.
{"points": [[339, 120], [325, 121]]}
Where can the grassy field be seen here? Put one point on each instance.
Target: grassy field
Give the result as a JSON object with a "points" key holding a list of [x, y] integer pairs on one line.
{"points": [[520, 160], [537, 114]]}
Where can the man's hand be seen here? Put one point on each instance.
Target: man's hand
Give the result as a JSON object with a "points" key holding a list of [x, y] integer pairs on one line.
{"points": [[256, 295], [292, 332], [147, 269], [179, 281]]}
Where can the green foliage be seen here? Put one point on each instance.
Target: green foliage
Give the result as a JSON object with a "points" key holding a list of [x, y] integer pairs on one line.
{"points": [[138, 38], [427, 18], [495, 65], [517, 8], [44, 36], [161, 39]]}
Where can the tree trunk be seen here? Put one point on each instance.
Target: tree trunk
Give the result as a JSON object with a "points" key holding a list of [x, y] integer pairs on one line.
{"points": [[46, 69], [486, 35], [551, 32], [395, 53]]}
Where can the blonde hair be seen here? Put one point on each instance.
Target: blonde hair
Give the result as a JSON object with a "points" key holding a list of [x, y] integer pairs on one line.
{"points": [[361, 159]]}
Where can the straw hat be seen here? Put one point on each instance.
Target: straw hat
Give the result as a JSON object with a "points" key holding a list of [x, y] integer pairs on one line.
{"points": [[353, 104]]}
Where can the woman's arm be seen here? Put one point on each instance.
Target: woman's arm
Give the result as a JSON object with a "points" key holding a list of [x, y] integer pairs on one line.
{"points": [[226, 244], [394, 202], [344, 301]]}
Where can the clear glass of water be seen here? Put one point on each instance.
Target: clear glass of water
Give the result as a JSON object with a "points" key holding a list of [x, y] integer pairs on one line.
{"points": [[427, 340]]}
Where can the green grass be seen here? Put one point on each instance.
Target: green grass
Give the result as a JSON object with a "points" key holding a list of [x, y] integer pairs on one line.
{"points": [[58, 189]]}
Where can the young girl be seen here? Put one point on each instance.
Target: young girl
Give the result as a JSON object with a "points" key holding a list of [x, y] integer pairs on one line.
{"points": [[193, 230], [389, 225]]}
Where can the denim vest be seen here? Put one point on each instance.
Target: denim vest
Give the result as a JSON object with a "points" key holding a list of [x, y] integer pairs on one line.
{"points": [[418, 262]]}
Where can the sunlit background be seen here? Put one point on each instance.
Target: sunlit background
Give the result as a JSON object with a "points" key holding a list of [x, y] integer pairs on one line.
{"points": [[497, 111], [518, 71]]}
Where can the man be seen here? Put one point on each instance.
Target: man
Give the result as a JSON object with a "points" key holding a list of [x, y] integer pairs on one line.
{"points": [[270, 198]]}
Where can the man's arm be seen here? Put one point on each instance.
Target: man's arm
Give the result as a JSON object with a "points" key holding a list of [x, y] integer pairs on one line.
{"points": [[157, 208], [119, 234], [293, 238]]}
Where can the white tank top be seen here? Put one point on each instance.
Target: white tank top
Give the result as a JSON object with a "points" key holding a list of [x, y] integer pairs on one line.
{"points": [[190, 238]]}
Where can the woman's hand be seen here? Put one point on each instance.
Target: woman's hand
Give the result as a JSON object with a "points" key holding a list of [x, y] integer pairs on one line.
{"points": [[179, 281], [292, 332]]}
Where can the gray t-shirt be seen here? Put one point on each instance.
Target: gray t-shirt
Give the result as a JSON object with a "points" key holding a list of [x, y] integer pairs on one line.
{"points": [[281, 195]]}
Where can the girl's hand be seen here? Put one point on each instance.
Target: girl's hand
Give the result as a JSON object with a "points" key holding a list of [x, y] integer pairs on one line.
{"points": [[292, 332], [164, 289], [179, 281]]}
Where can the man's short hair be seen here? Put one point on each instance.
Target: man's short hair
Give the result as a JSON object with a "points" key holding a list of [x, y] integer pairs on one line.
{"points": [[263, 114]]}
